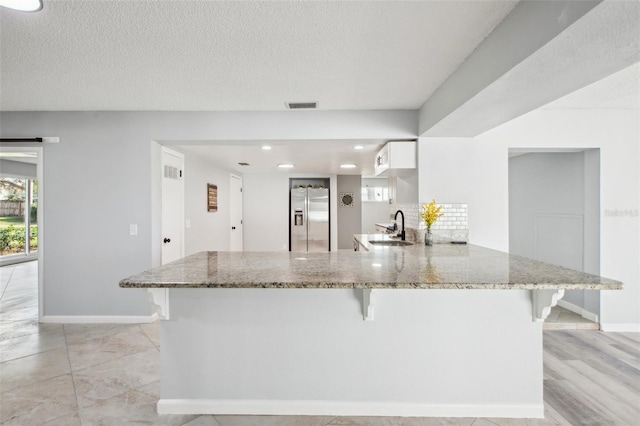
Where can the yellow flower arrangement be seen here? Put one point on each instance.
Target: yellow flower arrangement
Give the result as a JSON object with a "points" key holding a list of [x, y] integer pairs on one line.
{"points": [[430, 213]]}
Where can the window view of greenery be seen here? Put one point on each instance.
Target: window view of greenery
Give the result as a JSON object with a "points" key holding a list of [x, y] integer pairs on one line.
{"points": [[14, 198]]}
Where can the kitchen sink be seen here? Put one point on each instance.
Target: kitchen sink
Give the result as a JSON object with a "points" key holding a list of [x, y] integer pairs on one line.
{"points": [[390, 243]]}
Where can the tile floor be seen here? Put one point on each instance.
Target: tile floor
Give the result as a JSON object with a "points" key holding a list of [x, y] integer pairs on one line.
{"points": [[563, 319], [108, 374]]}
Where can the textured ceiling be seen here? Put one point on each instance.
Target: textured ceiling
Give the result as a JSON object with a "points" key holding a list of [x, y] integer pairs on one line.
{"points": [[618, 91], [237, 55], [604, 41]]}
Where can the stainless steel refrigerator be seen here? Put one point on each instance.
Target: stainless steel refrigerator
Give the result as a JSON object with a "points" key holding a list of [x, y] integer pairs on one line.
{"points": [[309, 221]]}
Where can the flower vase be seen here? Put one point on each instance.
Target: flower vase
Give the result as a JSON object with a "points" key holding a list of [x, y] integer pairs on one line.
{"points": [[428, 238]]}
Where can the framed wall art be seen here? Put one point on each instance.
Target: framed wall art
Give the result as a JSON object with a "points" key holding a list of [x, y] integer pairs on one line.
{"points": [[347, 199], [212, 197]]}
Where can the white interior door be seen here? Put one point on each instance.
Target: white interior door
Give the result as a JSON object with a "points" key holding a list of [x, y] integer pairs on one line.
{"points": [[172, 205], [235, 213]]}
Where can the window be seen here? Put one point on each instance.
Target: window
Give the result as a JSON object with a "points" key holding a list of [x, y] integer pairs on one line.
{"points": [[375, 193], [18, 220]]}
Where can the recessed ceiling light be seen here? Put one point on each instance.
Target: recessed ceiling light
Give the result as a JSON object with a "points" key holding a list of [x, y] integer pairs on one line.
{"points": [[266, 147], [285, 166], [358, 147], [348, 166], [22, 5]]}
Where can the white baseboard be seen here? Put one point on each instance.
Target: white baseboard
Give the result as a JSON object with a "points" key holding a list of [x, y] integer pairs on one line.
{"points": [[99, 319], [345, 408], [578, 310], [14, 259], [628, 328]]}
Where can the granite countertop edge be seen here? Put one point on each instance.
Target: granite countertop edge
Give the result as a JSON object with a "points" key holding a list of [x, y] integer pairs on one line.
{"points": [[442, 266], [374, 286]]}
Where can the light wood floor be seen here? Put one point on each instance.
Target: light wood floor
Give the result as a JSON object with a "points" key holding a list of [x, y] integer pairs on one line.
{"points": [[592, 378], [108, 374]]}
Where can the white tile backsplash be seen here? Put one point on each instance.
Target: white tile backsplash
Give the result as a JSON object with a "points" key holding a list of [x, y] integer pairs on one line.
{"points": [[454, 217], [411, 215], [452, 226]]}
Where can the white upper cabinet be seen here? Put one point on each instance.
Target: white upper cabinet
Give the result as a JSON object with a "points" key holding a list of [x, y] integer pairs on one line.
{"points": [[396, 155]]}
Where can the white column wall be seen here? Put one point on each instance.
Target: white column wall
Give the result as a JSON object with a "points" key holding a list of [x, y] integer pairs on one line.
{"points": [[476, 170], [442, 353]]}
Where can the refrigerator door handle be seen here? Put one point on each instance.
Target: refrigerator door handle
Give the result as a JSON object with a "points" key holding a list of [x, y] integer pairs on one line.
{"points": [[306, 213]]}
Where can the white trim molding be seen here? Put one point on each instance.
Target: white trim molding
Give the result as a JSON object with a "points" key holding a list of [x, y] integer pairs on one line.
{"points": [[578, 310], [367, 304], [346, 408], [543, 301], [159, 298], [99, 319]]}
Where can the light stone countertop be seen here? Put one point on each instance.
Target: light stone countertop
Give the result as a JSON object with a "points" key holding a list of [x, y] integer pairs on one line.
{"points": [[441, 266]]}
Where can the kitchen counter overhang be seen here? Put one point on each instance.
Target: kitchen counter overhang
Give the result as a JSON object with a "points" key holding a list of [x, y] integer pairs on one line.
{"points": [[442, 266], [279, 333]]}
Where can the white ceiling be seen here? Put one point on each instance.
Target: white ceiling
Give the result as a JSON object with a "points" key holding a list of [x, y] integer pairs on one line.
{"points": [[237, 55], [309, 156], [254, 56], [620, 90]]}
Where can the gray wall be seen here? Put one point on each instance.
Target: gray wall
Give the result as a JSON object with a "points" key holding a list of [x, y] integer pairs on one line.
{"points": [[551, 188], [349, 218], [99, 179]]}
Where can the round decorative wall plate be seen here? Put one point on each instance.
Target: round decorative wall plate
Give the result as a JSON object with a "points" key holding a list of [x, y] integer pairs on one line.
{"points": [[347, 199]]}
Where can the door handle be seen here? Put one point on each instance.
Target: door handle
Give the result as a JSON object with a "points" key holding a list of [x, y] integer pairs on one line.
{"points": [[167, 240], [233, 227]]}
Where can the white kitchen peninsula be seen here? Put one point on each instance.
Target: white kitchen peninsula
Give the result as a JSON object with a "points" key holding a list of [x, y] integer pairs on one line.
{"points": [[446, 331]]}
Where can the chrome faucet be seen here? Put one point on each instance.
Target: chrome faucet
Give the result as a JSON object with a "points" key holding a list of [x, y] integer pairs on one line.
{"points": [[401, 234]]}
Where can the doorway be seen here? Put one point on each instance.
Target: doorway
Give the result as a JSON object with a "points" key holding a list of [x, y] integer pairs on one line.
{"points": [[235, 214], [18, 205], [172, 206], [18, 215], [21, 218], [554, 215]]}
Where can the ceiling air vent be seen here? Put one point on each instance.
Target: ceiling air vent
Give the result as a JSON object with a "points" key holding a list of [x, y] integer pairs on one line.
{"points": [[244, 164], [301, 105]]}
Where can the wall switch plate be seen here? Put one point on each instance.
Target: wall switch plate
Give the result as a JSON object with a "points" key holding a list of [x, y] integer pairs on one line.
{"points": [[133, 229], [188, 223]]}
